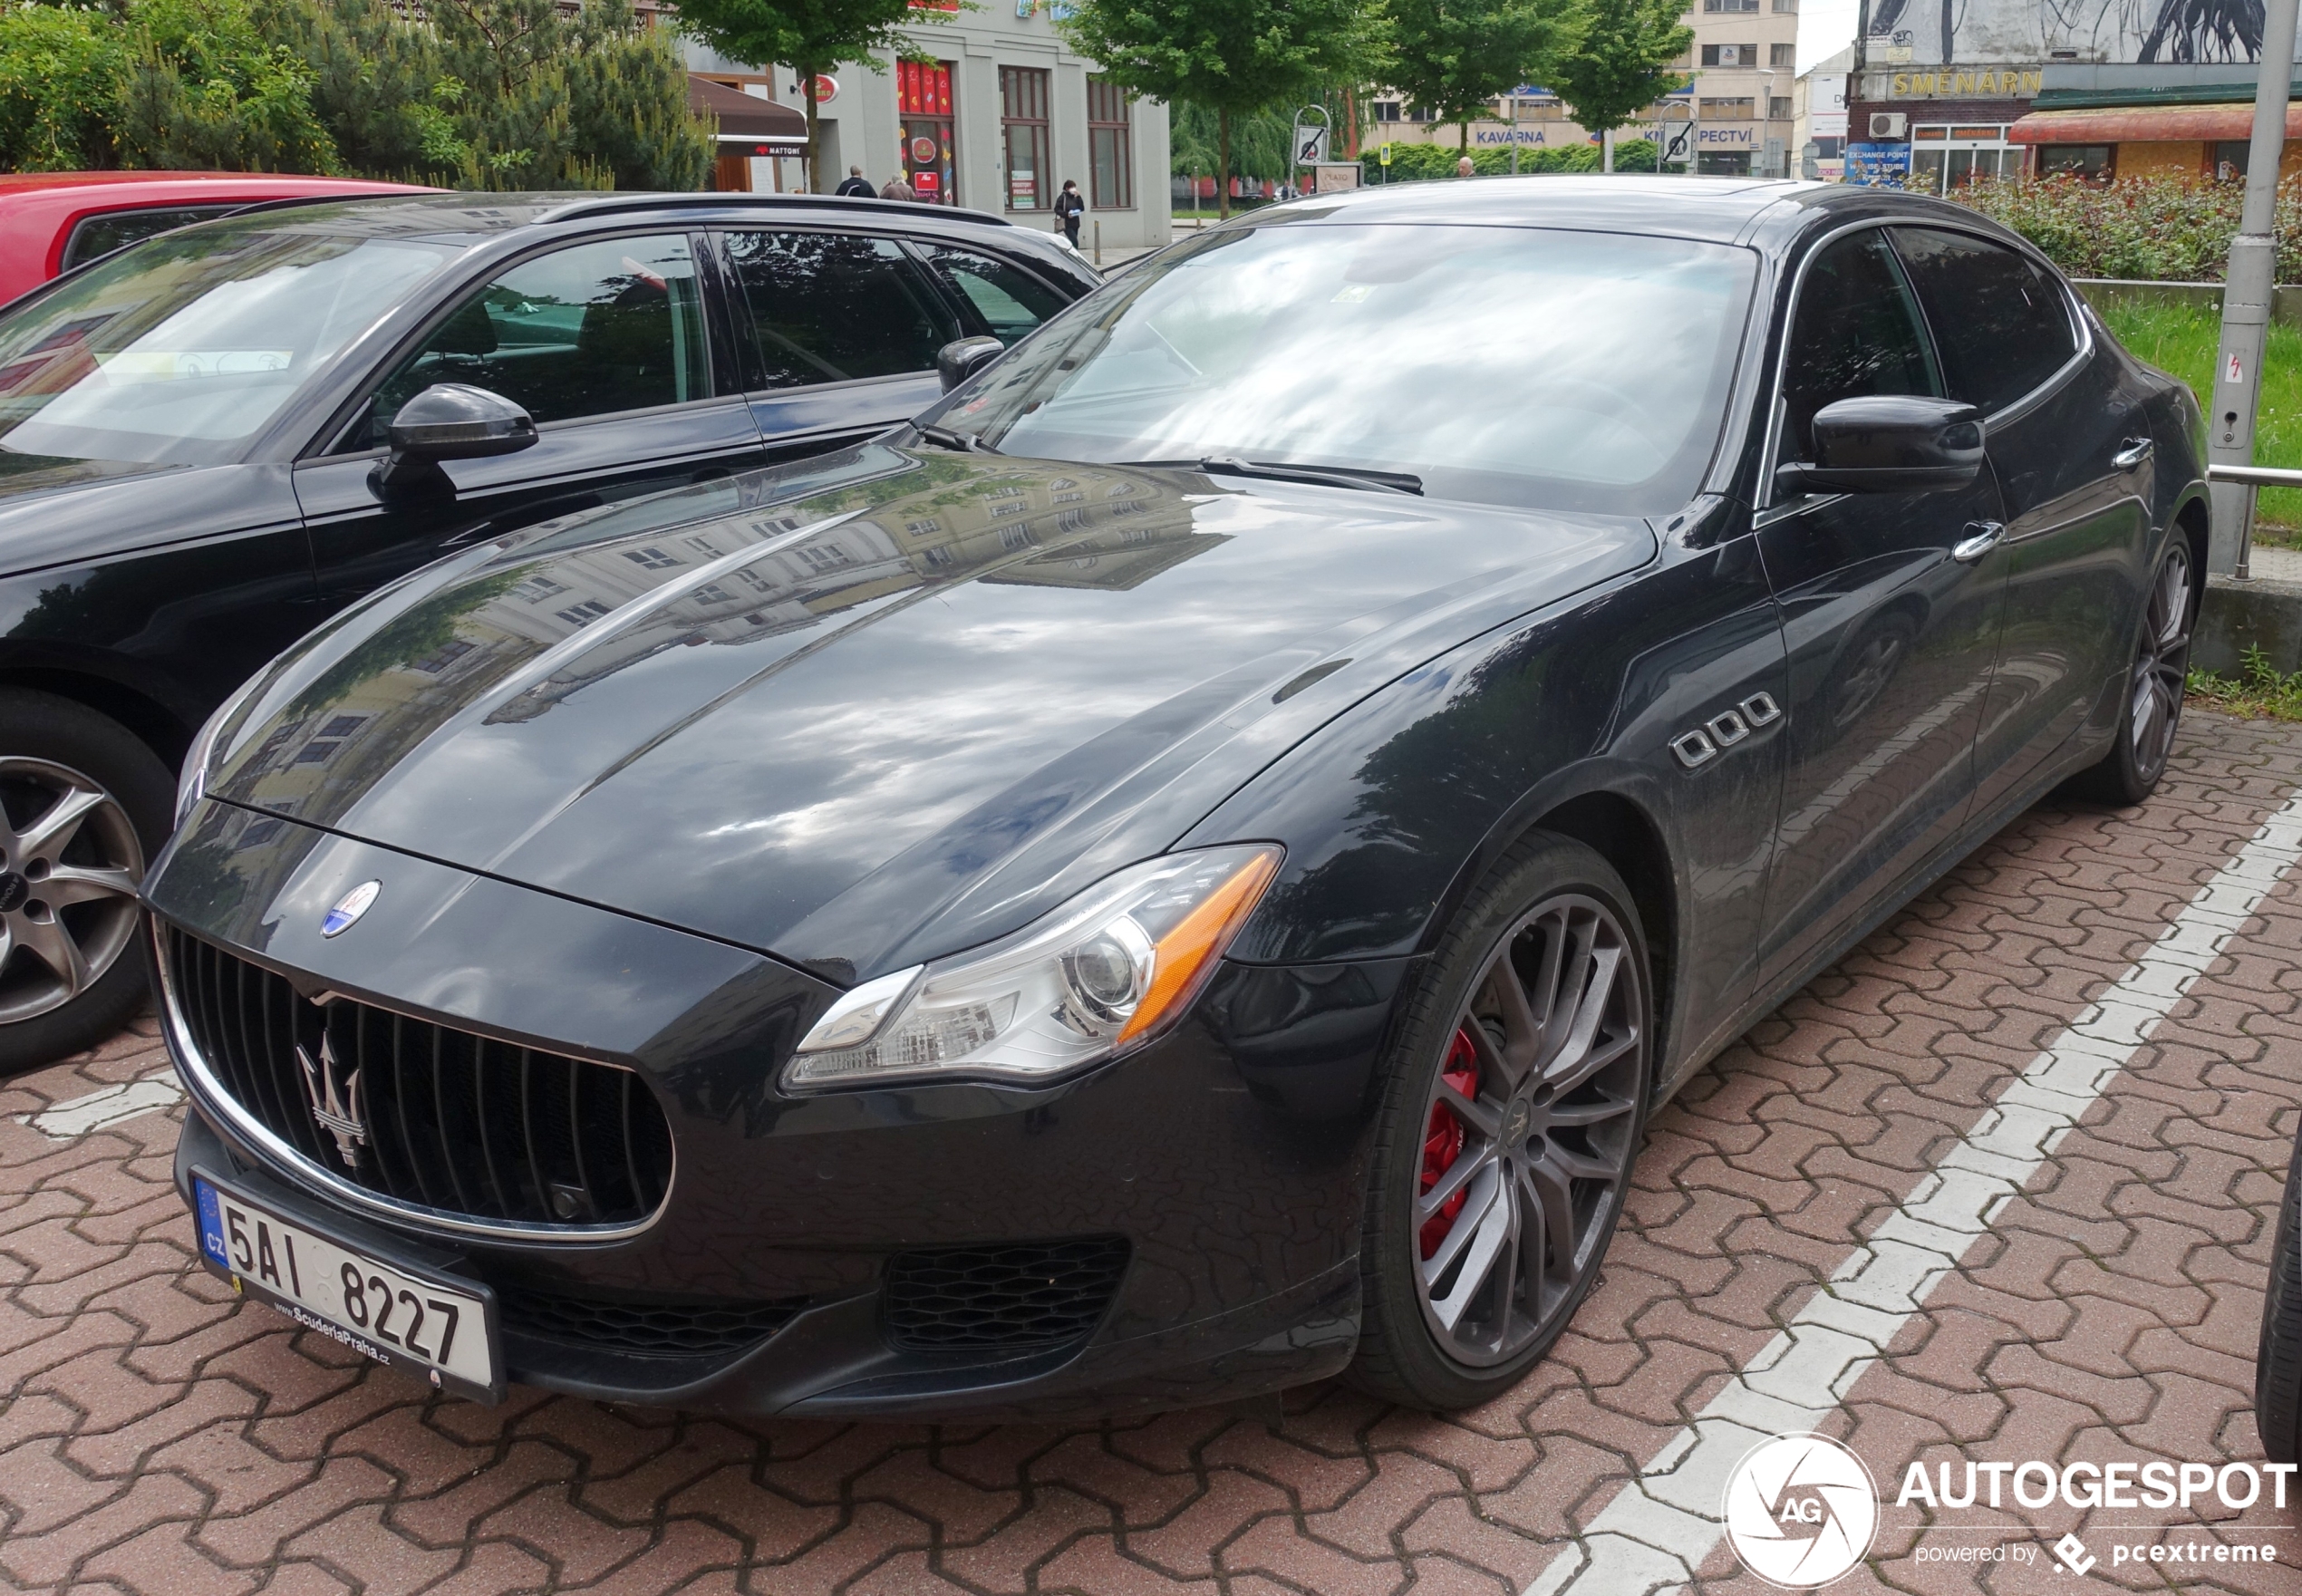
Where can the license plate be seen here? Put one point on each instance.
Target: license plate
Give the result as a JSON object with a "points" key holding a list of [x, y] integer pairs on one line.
{"points": [[410, 1319]]}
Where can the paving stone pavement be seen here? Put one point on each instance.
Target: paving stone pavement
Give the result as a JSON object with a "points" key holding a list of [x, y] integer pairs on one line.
{"points": [[159, 1436]]}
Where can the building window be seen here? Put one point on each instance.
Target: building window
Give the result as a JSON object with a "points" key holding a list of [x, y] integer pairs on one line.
{"points": [[1733, 108], [585, 613], [924, 105], [655, 560], [1790, 6], [1730, 55], [1778, 108], [1782, 55], [1386, 110], [1730, 5], [1022, 128], [1945, 158], [1110, 146]]}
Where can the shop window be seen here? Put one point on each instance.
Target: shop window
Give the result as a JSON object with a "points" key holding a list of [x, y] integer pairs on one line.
{"points": [[2230, 159], [1023, 104], [1110, 146], [924, 109], [2089, 163]]}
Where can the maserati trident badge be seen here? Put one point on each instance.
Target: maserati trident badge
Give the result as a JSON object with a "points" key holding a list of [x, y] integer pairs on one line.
{"points": [[334, 1106], [350, 907]]}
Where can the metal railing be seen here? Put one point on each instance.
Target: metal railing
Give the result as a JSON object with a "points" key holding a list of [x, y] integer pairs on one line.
{"points": [[2250, 477]]}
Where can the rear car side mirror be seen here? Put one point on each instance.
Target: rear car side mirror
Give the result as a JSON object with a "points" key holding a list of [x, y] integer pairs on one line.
{"points": [[1890, 443], [449, 421], [963, 357]]}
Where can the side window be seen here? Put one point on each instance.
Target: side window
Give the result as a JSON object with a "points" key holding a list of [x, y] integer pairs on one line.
{"points": [[1856, 331], [829, 307], [614, 325], [1011, 301], [2003, 323], [95, 236]]}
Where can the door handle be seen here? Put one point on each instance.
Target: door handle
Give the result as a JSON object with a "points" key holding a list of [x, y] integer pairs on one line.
{"points": [[1982, 537], [2136, 452]]}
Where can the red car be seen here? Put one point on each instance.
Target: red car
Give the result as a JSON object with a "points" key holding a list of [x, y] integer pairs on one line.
{"points": [[51, 222]]}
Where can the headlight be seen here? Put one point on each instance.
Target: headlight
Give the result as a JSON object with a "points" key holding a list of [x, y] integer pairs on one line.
{"points": [[193, 781], [1091, 980]]}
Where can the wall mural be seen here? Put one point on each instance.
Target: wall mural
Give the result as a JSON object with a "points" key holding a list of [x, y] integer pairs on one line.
{"points": [[1945, 32]]}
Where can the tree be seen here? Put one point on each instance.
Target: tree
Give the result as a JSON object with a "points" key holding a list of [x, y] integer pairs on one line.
{"points": [[1235, 57], [61, 69], [208, 92], [810, 36], [1456, 56], [1622, 65]]}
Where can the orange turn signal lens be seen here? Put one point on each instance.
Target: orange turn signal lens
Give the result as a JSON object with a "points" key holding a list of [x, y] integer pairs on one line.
{"points": [[1186, 954]]}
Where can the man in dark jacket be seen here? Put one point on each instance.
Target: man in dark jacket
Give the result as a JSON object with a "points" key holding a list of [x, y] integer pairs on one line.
{"points": [[1069, 208], [854, 186]]}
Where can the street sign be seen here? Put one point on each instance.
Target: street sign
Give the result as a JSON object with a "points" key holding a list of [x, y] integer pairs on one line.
{"points": [[1383, 156], [1309, 139]]}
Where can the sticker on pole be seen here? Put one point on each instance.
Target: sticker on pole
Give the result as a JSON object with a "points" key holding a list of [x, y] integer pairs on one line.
{"points": [[2234, 371]]}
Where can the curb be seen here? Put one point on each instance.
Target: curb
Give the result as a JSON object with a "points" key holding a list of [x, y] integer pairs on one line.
{"points": [[2264, 611]]}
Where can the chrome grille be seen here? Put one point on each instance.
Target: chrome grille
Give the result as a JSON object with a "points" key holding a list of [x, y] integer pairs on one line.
{"points": [[450, 1121]]}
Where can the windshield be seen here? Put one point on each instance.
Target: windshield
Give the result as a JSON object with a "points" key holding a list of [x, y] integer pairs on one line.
{"points": [[178, 350], [1520, 366]]}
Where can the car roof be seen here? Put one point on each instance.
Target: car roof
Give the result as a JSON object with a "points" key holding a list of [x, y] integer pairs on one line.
{"points": [[465, 215], [1722, 210]]}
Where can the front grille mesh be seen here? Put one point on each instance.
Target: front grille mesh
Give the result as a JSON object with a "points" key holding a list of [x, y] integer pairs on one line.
{"points": [[1018, 1296], [642, 1328], [450, 1120]]}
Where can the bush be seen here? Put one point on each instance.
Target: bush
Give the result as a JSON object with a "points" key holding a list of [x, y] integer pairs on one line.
{"points": [[2164, 230], [61, 69], [1422, 162]]}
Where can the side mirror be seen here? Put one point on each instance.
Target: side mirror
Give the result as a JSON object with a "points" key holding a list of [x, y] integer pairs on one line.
{"points": [[449, 421], [1890, 443], [963, 357]]}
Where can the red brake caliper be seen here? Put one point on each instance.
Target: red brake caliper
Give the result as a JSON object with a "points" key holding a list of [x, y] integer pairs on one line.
{"points": [[1443, 1141]]}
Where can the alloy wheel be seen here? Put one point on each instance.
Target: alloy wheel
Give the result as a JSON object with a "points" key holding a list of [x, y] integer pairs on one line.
{"points": [[70, 864], [1527, 1140], [2162, 665]]}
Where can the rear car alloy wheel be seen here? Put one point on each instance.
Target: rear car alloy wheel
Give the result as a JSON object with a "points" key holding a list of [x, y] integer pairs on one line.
{"points": [[1528, 1125], [2130, 770], [81, 802]]}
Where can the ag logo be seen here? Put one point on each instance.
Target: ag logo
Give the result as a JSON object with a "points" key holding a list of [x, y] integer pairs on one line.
{"points": [[1801, 1511]]}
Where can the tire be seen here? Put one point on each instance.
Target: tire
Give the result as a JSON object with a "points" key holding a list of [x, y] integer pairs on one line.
{"points": [[2130, 772], [85, 804], [2277, 1359], [1492, 1121]]}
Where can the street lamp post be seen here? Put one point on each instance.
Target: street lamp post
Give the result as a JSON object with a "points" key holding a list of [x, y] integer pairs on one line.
{"points": [[2247, 291]]}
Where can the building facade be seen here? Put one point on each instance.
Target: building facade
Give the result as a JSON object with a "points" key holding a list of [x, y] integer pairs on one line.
{"points": [[995, 113], [1945, 90], [1734, 119]]}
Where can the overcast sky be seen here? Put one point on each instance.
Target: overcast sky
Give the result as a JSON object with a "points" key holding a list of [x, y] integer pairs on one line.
{"points": [[1824, 28]]}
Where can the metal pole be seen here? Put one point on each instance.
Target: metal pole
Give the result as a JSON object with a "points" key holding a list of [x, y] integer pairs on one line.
{"points": [[2246, 292], [1098, 240], [1515, 133]]}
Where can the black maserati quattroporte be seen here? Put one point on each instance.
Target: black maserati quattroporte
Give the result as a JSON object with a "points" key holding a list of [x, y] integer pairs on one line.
{"points": [[1183, 872]]}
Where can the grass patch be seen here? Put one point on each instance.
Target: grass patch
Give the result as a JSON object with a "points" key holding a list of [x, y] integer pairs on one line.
{"points": [[2260, 692], [2183, 342]]}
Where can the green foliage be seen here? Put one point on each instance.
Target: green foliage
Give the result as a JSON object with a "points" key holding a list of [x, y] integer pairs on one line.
{"points": [[59, 71], [2167, 229], [1259, 140], [207, 90], [1622, 65], [484, 94], [1422, 162], [2182, 341], [810, 36], [1235, 57], [2260, 691], [1454, 56]]}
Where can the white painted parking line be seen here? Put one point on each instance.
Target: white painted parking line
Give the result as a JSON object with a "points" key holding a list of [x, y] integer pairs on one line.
{"points": [[78, 1116], [1657, 1532]]}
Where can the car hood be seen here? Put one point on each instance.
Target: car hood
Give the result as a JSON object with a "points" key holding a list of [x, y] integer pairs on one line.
{"points": [[883, 706]]}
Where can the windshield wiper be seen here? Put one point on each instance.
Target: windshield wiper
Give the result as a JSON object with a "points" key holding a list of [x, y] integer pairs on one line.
{"points": [[1281, 471], [964, 442]]}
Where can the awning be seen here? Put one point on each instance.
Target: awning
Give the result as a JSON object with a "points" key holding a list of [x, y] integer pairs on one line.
{"points": [[2145, 124], [744, 118]]}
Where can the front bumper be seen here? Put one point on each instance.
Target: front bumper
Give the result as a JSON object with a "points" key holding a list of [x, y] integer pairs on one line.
{"points": [[1228, 1156]]}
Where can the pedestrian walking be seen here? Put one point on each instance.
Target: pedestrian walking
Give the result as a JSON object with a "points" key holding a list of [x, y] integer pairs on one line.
{"points": [[855, 185], [897, 188], [1069, 208]]}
